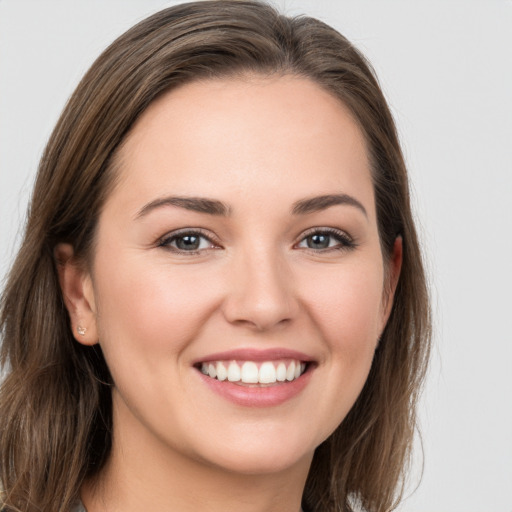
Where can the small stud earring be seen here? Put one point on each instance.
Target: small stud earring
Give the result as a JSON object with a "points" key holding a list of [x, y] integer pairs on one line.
{"points": [[81, 330]]}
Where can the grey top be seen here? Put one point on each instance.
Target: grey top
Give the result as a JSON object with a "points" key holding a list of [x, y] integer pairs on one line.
{"points": [[79, 507]]}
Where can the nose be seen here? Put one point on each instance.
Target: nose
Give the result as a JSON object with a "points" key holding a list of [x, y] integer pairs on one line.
{"points": [[261, 292]]}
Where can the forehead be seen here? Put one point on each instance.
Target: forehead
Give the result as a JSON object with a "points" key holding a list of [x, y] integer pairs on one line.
{"points": [[241, 137]]}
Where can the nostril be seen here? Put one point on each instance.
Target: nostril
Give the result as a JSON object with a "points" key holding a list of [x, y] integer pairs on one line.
{"points": [[257, 315], [261, 294]]}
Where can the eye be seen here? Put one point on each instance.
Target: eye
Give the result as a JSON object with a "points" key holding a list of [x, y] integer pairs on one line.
{"points": [[326, 239], [187, 242]]}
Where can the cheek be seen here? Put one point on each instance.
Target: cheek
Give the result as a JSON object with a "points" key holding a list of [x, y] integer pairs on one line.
{"points": [[155, 307], [347, 310], [347, 307]]}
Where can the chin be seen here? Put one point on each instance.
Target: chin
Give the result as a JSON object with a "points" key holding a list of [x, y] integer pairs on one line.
{"points": [[263, 463], [260, 455]]}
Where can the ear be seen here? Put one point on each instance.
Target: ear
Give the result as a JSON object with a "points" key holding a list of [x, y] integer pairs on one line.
{"points": [[78, 293], [392, 276]]}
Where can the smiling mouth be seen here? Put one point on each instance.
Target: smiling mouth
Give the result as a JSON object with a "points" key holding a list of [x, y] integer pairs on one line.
{"points": [[253, 372]]}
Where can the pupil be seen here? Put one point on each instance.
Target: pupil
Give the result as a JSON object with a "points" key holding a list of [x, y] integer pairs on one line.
{"points": [[318, 241], [188, 242]]}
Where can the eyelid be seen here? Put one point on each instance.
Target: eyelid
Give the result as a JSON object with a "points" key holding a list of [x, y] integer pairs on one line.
{"points": [[325, 229], [165, 240], [346, 240]]}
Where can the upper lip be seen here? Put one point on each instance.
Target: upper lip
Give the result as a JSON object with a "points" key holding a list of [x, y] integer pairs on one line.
{"points": [[251, 354]]}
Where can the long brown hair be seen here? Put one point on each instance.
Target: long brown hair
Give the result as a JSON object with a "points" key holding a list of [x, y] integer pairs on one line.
{"points": [[55, 401]]}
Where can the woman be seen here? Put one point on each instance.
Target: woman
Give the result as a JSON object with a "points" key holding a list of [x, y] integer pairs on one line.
{"points": [[219, 303]]}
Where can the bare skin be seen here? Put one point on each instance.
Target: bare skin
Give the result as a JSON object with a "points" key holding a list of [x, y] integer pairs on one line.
{"points": [[244, 219]]}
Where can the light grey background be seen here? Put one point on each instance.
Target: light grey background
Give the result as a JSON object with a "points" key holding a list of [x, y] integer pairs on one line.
{"points": [[446, 68]]}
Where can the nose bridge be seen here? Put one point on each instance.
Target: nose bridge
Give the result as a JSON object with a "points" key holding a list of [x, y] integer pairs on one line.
{"points": [[261, 289]]}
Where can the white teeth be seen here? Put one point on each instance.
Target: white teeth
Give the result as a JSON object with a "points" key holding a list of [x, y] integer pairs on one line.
{"points": [[281, 372], [267, 373], [251, 372], [222, 373], [290, 373], [233, 372]]}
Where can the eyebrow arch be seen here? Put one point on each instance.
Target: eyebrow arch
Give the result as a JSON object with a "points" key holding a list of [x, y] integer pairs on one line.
{"points": [[318, 203], [196, 204]]}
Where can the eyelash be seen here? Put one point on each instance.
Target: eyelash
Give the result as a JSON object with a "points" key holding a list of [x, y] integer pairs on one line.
{"points": [[167, 240], [345, 242]]}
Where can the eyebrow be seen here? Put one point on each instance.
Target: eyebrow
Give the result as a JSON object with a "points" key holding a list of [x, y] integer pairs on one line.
{"points": [[196, 204], [218, 208], [318, 203]]}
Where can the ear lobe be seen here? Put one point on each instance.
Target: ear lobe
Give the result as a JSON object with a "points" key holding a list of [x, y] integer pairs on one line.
{"points": [[78, 294], [392, 277]]}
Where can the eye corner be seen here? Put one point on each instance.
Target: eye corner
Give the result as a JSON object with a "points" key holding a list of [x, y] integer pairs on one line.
{"points": [[188, 242], [325, 238]]}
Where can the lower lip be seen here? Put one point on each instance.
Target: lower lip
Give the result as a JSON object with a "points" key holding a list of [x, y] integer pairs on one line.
{"points": [[255, 396]]}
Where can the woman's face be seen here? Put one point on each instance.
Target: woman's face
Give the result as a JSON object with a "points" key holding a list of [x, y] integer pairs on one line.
{"points": [[239, 243]]}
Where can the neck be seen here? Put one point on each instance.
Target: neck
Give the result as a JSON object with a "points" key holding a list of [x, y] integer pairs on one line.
{"points": [[143, 473]]}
